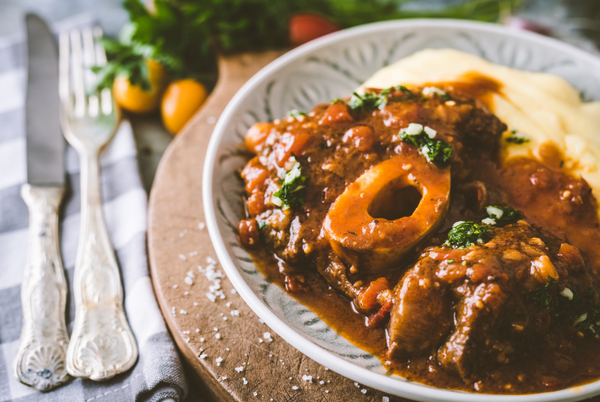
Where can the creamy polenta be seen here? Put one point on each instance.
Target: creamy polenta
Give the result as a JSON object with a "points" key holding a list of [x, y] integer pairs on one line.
{"points": [[537, 106]]}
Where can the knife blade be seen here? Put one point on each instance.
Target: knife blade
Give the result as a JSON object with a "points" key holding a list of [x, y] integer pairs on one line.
{"points": [[40, 359], [44, 139]]}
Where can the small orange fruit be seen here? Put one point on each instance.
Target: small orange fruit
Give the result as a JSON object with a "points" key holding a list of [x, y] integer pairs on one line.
{"points": [[133, 98], [180, 101]]}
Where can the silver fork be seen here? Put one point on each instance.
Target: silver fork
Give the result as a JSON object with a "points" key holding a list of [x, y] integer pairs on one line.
{"points": [[102, 344]]}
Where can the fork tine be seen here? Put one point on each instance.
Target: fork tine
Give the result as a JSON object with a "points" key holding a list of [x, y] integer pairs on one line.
{"points": [[63, 67], [78, 84], [106, 100], [89, 60]]}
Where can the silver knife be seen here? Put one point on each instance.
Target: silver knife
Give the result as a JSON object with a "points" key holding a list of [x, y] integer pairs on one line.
{"points": [[40, 360]]}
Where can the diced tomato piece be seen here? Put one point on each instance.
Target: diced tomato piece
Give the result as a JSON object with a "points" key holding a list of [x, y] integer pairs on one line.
{"points": [[248, 231], [367, 300], [256, 136], [291, 144], [335, 114], [255, 174], [256, 203], [361, 137], [378, 318]]}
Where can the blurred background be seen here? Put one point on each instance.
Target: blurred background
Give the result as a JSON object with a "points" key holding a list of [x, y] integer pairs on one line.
{"points": [[185, 40]]}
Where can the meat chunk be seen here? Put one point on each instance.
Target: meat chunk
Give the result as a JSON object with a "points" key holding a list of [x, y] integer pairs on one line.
{"points": [[480, 307]]}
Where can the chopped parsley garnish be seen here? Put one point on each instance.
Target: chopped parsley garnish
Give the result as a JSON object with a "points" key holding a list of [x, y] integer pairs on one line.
{"points": [[503, 214], [336, 100], [366, 101], [450, 261], [541, 295], [293, 189], [372, 100], [262, 224], [465, 234], [436, 151], [428, 91], [295, 113], [516, 138]]}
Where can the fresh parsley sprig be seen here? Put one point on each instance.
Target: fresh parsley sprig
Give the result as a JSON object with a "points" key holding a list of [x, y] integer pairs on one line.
{"points": [[372, 100], [436, 151], [503, 214], [465, 234], [516, 137], [293, 189]]}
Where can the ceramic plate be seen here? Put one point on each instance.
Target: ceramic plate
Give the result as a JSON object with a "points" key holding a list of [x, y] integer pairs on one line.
{"points": [[332, 67]]}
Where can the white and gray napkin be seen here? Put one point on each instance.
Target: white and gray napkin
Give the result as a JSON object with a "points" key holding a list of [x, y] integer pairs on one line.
{"points": [[158, 374]]}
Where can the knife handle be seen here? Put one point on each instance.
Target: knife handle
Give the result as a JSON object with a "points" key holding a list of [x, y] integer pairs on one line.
{"points": [[102, 344], [40, 360]]}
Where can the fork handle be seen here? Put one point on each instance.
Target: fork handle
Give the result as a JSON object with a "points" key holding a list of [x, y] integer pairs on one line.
{"points": [[102, 344], [40, 360]]}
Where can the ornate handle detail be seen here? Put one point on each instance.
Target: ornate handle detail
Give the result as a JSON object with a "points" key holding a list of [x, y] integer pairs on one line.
{"points": [[40, 360], [102, 344]]}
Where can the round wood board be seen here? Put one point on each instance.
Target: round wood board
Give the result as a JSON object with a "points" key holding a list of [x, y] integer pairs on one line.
{"points": [[178, 243], [224, 341]]}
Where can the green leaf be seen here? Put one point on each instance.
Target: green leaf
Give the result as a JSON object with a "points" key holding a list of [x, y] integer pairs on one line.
{"points": [[465, 234], [503, 214], [293, 188], [296, 113], [436, 151]]}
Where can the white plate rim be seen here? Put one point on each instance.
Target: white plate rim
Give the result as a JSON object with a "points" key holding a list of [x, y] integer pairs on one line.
{"points": [[407, 389]]}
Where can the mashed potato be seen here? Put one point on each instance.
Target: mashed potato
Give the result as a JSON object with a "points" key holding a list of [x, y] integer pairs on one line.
{"points": [[542, 107]]}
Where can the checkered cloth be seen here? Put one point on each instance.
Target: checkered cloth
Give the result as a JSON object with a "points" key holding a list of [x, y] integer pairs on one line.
{"points": [[158, 374]]}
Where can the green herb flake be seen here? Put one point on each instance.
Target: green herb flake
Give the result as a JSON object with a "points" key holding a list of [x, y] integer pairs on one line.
{"points": [[295, 113], [293, 189], [541, 295], [516, 138], [450, 261], [503, 214], [337, 100], [366, 101], [436, 151], [465, 234], [262, 224]]}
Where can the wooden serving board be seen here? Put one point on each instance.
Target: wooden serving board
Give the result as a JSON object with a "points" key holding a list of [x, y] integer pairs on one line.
{"points": [[224, 341]]}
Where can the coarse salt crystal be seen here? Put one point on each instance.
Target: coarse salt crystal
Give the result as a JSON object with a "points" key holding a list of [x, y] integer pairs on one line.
{"points": [[186, 293], [224, 318], [195, 304], [364, 391], [187, 340], [219, 360], [211, 297], [185, 332], [245, 381], [201, 225], [307, 378], [321, 382], [233, 291], [197, 330], [175, 286], [260, 340], [326, 391], [267, 336], [239, 369], [182, 311], [215, 329], [228, 304], [224, 378], [191, 274], [255, 393], [385, 399], [218, 335], [356, 385], [227, 349], [294, 387], [203, 356], [211, 260], [235, 313], [181, 256], [201, 339], [188, 280]]}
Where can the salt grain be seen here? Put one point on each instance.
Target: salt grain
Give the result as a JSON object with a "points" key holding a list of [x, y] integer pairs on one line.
{"points": [[385, 399], [235, 313], [211, 260], [185, 332], [182, 257], [364, 391], [195, 304], [228, 304], [201, 339], [186, 293], [239, 369], [224, 318], [321, 382], [219, 360], [356, 385], [224, 378], [245, 381], [307, 378], [233, 291], [188, 280], [201, 225], [182, 311], [267, 336], [215, 329], [255, 393], [326, 391], [294, 387], [191, 274], [218, 335], [175, 286], [203, 356]]}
